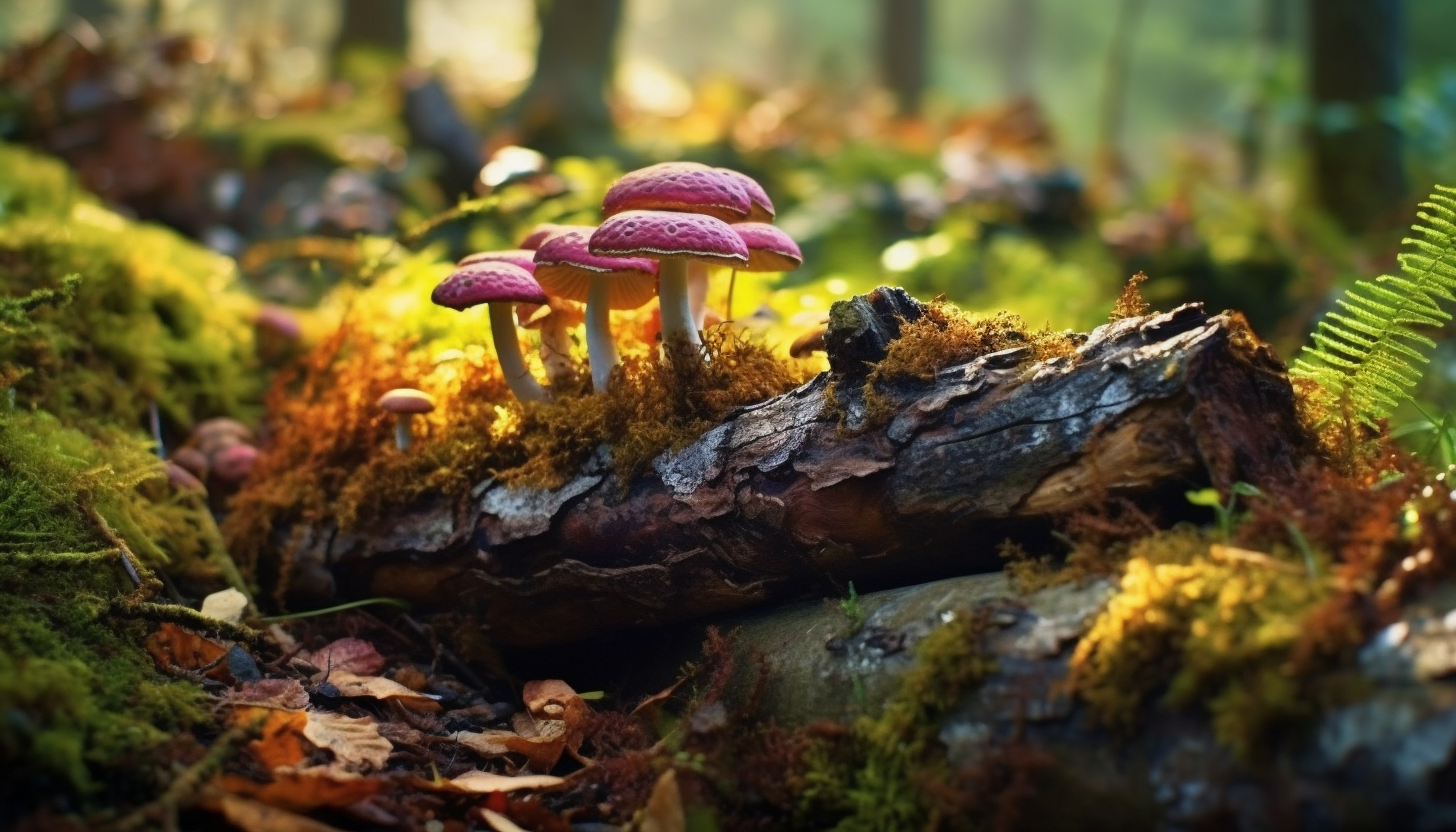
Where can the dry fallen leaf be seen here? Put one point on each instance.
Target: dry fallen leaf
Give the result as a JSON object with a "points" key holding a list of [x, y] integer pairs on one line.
{"points": [[541, 749], [277, 693], [378, 687], [174, 647], [302, 790], [252, 816], [349, 655], [226, 605], [664, 810], [485, 782], [356, 743], [281, 742], [499, 822]]}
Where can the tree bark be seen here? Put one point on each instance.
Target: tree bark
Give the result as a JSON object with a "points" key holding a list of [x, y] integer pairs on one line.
{"points": [[804, 493], [564, 109], [1357, 67], [1018, 48], [904, 56]]}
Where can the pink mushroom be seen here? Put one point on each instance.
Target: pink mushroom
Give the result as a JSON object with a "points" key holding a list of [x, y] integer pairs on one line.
{"points": [[567, 268], [500, 286], [673, 239]]}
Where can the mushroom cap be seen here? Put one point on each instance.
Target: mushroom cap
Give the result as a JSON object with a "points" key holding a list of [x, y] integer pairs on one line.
{"points": [[277, 319], [661, 235], [568, 312], [487, 282], [182, 479], [565, 267], [190, 460], [769, 248], [540, 234], [762, 208], [406, 400], [522, 257], [678, 186], [221, 426], [809, 343], [233, 464]]}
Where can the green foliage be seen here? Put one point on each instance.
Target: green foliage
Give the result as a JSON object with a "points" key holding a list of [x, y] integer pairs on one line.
{"points": [[1370, 353]]}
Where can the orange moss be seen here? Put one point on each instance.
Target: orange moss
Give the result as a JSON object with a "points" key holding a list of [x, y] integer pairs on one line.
{"points": [[331, 456], [1130, 304]]}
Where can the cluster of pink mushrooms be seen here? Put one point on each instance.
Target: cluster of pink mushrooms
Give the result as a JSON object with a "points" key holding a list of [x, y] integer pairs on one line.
{"points": [[664, 226]]}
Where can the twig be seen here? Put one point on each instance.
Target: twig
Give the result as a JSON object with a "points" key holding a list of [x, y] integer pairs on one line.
{"points": [[186, 788]]}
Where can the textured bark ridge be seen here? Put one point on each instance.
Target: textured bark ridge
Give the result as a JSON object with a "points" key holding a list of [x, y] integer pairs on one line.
{"points": [[803, 493]]}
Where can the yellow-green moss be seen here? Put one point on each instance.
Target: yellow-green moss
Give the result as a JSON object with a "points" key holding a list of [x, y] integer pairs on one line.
{"points": [[155, 318], [872, 779], [1199, 623], [80, 700]]}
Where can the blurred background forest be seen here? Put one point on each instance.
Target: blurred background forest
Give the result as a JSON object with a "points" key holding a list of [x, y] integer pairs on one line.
{"points": [[1021, 154]]}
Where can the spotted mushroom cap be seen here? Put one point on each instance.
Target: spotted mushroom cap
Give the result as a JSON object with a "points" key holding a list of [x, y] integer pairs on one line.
{"points": [[668, 234], [769, 248], [565, 268], [406, 400], [761, 208], [487, 282], [540, 234], [522, 257], [678, 186]]}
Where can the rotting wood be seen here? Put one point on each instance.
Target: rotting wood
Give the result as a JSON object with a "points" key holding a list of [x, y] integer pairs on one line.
{"points": [[799, 493]]}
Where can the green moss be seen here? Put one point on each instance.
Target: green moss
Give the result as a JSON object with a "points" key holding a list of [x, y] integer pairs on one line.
{"points": [[80, 702], [872, 779], [155, 318], [1200, 624]]}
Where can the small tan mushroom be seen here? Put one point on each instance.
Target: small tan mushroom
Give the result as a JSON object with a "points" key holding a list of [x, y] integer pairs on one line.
{"points": [[810, 342], [403, 403], [554, 320]]}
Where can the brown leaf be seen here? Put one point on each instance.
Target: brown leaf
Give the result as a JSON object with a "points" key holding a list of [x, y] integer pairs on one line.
{"points": [[277, 693], [356, 743], [306, 789], [252, 816], [174, 647], [485, 782], [282, 741], [499, 822], [378, 687], [664, 810], [541, 750], [351, 655], [553, 699]]}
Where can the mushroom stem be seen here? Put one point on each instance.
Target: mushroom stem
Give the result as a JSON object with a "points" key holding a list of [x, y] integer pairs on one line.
{"points": [[678, 331], [698, 291], [402, 435], [728, 304], [508, 353], [601, 350], [556, 348]]}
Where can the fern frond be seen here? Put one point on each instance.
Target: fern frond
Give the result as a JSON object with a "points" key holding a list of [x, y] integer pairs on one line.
{"points": [[1368, 351]]}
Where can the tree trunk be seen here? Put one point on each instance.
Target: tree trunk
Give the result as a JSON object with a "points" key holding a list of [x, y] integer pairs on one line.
{"points": [[1018, 48], [1271, 38], [904, 53], [1357, 66], [564, 110], [374, 24], [804, 493]]}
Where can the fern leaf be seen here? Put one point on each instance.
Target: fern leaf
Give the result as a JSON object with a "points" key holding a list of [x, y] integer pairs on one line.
{"points": [[1369, 351]]}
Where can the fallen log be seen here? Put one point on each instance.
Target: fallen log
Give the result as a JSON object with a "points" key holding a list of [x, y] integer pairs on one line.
{"points": [[809, 490]]}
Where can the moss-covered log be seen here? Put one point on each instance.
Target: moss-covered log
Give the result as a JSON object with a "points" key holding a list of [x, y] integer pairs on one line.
{"points": [[882, 484]]}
